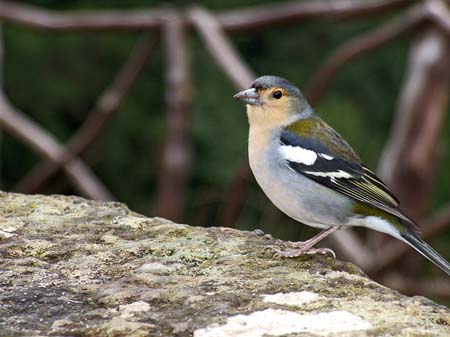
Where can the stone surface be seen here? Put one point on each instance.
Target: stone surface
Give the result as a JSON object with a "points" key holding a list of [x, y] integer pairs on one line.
{"points": [[73, 267]]}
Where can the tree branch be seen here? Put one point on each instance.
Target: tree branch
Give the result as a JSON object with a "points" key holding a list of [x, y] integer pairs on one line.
{"points": [[232, 20], [359, 46], [226, 56], [353, 248], [44, 144], [221, 48], [409, 158], [259, 17], [104, 110], [439, 13], [176, 153], [36, 18]]}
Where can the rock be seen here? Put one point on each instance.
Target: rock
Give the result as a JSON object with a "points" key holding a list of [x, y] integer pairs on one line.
{"points": [[73, 267]]}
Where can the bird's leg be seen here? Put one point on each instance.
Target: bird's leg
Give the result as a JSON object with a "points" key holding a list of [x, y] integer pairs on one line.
{"points": [[307, 247], [316, 238]]}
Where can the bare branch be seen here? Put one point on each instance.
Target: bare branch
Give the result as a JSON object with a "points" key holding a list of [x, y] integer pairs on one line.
{"points": [[224, 53], [176, 153], [233, 20], [44, 144], [259, 17], [105, 108], [409, 158], [235, 196], [352, 247], [359, 46], [221, 48], [439, 13], [36, 18], [438, 223]]}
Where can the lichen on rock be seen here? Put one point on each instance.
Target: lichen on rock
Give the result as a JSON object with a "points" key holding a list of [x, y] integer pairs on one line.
{"points": [[73, 267]]}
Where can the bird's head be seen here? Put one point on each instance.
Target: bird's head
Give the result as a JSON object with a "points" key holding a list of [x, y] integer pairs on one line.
{"points": [[273, 101]]}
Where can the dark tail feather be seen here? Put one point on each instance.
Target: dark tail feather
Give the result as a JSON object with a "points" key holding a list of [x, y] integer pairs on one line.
{"points": [[423, 248]]}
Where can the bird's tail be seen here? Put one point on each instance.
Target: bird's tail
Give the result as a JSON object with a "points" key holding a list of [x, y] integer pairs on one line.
{"points": [[413, 239]]}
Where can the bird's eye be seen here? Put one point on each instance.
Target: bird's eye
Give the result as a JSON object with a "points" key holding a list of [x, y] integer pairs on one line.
{"points": [[277, 94]]}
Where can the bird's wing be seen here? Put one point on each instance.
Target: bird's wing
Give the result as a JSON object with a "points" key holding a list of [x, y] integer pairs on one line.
{"points": [[316, 161]]}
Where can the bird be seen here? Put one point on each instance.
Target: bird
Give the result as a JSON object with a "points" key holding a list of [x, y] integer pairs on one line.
{"points": [[312, 174]]}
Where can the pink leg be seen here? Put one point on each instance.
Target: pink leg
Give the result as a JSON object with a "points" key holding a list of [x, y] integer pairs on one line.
{"points": [[306, 247]]}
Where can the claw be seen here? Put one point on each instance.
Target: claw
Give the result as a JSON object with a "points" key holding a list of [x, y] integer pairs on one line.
{"points": [[323, 251], [331, 252]]}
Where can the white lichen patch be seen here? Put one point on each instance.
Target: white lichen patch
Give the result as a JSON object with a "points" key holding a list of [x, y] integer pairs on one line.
{"points": [[11, 224], [6, 234], [293, 298], [277, 322], [129, 310]]}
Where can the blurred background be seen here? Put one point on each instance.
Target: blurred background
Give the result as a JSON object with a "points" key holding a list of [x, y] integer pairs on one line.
{"points": [[132, 101]]}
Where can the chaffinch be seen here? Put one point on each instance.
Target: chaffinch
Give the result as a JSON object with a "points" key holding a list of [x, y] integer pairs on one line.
{"points": [[313, 175]]}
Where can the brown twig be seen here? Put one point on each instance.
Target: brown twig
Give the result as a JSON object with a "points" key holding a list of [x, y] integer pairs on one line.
{"points": [[439, 13], [176, 153], [359, 46], [44, 144], [223, 52], [36, 18], [232, 20], [263, 16], [351, 246], [104, 110], [409, 158], [221, 48], [438, 223], [235, 196]]}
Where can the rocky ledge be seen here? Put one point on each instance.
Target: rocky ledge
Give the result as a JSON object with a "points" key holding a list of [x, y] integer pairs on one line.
{"points": [[73, 267]]}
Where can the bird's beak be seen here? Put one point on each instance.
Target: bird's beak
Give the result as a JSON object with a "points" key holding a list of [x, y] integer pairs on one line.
{"points": [[249, 96]]}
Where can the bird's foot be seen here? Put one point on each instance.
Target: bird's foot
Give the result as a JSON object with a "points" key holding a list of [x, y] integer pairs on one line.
{"points": [[303, 250]]}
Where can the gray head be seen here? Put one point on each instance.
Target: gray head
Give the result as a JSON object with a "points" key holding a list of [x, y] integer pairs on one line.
{"points": [[274, 100], [270, 81]]}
